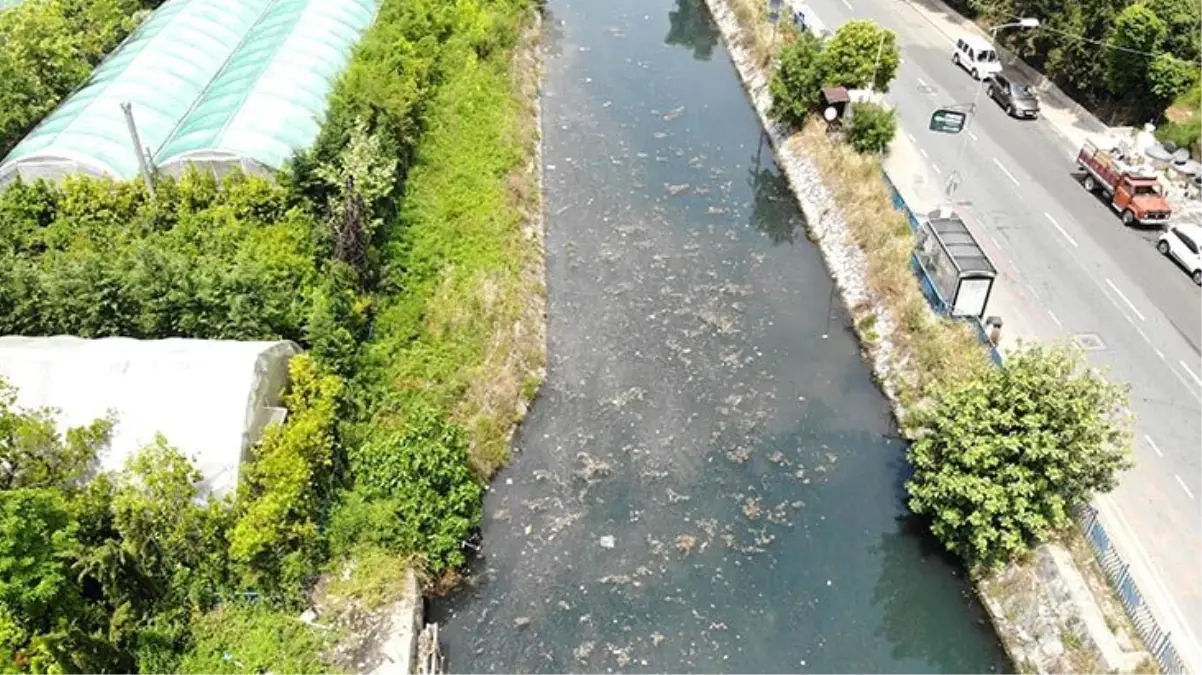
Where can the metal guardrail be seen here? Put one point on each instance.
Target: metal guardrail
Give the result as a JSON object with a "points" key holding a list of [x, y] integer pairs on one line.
{"points": [[1158, 641]]}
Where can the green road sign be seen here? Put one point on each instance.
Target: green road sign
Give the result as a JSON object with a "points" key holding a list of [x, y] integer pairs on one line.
{"points": [[948, 121]]}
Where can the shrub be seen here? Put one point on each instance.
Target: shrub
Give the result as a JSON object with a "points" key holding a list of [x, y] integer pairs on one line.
{"points": [[797, 81], [413, 492], [871, 128], [95, 258], [275, 540], [860, 55], [1003, 458]]}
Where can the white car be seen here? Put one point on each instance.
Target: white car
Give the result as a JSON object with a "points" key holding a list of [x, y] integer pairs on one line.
{"points": [[1180, 242], [976, 55]]}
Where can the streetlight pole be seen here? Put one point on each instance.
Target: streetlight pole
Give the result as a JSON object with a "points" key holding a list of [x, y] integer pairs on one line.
{"points": [[953, 180]]}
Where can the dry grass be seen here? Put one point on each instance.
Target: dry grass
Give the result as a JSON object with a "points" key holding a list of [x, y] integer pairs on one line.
{"points": [[755, 32], [934, 349]]}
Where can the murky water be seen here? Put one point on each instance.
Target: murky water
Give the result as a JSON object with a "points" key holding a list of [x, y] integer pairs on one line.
{"points": [[708, 481]]}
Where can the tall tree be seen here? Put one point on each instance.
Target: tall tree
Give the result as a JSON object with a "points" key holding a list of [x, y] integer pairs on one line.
{"points": [[1135, 39]]}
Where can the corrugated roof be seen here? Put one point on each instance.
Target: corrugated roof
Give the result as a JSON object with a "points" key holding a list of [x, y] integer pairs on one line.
{"points": [[161, 70], [270, 98], [963, 248]]}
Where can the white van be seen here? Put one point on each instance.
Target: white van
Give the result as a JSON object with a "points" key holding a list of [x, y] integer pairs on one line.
{"points": [[976, 55]]}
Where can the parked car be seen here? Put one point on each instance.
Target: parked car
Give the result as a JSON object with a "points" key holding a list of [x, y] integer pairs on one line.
{"points": [[1134, 194], [1181, 242], [1016, 98], [976, 55]]}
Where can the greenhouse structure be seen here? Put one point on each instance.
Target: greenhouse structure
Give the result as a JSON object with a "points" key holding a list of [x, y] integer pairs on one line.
{"points": [[216, 83], [211, 399]]}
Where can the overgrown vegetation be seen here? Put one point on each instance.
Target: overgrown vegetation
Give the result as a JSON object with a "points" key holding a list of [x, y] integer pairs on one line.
{"points": [[871, 128], [48, 48], [860, 55], [1004, 458], [397, 250]]}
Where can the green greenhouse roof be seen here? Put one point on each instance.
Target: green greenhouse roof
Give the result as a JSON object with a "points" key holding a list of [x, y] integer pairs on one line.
{"points": [[161, 70], [271, 96]]}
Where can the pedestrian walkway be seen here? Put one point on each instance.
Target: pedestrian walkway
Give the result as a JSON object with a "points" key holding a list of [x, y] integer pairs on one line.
{"points": [[1010, 300]]}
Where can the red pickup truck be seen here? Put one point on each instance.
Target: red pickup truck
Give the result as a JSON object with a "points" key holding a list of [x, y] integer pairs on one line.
{"points": [[1137, 197]]}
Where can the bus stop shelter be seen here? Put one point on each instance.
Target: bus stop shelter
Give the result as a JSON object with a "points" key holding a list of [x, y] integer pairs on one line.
{"points": [[958, 272]]}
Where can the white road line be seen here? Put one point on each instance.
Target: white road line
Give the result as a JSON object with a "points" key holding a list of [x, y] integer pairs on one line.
{"points": [[972, 136], [1143, 335], [993, 239], [1182, 484], [1152, 444], [1034, 292], [937, 169], [1159, 353], [1008, 174], [1129, 304], [922, 83], [924, 153], [1061, 229], [848, 4], [1191, 372], [1054, 318], [1188, 387], [911, 137]]}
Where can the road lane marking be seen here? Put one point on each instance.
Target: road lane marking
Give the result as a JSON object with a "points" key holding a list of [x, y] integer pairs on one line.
{"points": [[1054, 318], [1153, 445], [972, 136], [1143, 335], [911, 137], [1008, 174], [1034, 292], [924, 153], [1188, 387], [848, 4], [1182, 484], [1191, 373], [1061, 229], [923, 83], [1159, 353], [1129, 303], [937, 169]]}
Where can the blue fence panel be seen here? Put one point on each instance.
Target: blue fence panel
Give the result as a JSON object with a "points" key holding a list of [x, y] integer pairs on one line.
{"points": [[1156, 639]]}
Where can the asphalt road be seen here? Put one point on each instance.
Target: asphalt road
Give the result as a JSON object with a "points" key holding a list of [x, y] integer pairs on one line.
{"points": [[1084, 273]]}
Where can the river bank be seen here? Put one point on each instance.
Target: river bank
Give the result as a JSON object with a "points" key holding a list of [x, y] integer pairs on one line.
{"points": [[1049, 615], [709, 479]]}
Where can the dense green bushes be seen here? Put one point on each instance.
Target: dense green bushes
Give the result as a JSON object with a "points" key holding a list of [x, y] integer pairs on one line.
{"points": [[395, 252], [871, 128], [48, 48], [96, 258], [860, 55], [1002, 459]]}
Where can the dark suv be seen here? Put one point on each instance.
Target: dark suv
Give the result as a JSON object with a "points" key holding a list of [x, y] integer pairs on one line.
{"points": [[1018, 99]]}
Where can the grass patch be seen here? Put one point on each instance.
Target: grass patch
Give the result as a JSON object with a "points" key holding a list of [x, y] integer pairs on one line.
{"points": [[370, 578], [255, 639], [464, 334]]}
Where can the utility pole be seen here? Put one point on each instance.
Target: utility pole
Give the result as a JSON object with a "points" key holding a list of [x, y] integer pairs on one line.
{"points": [[143, 163]]}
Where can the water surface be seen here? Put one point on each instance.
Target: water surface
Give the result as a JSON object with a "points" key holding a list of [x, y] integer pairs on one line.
{"points": [[709, 480]]}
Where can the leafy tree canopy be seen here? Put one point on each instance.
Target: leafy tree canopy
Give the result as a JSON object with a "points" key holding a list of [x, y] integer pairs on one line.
{"points": [[1005, 457]]}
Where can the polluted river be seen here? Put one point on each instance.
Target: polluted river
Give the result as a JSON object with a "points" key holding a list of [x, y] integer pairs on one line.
{"points": [[709, 480]]}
